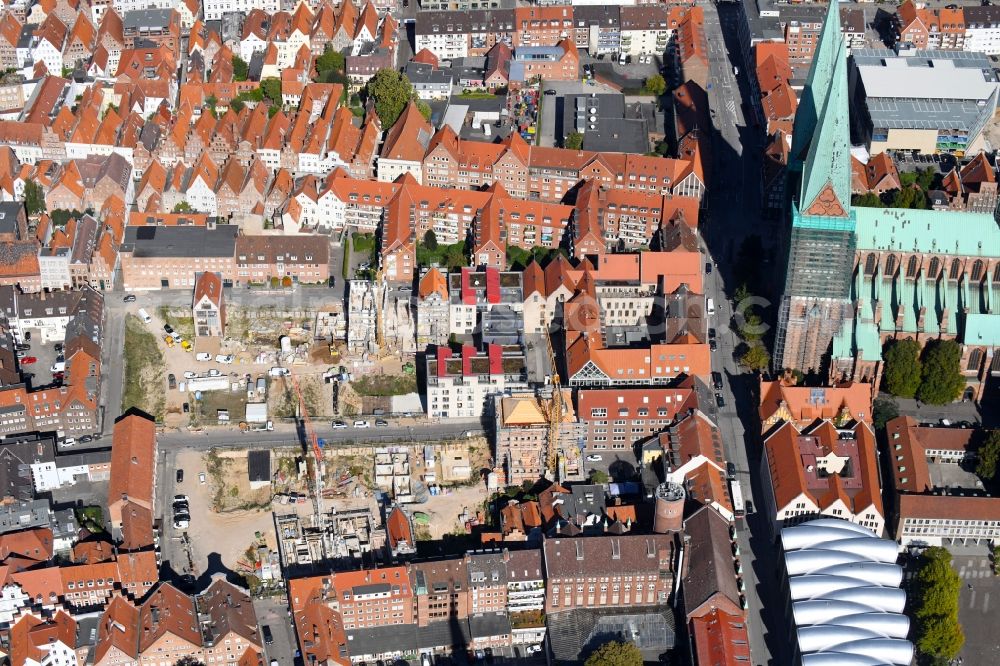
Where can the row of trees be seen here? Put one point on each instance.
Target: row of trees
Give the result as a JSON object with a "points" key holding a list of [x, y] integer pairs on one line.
{"points": [[934, 376], [934, 603]]}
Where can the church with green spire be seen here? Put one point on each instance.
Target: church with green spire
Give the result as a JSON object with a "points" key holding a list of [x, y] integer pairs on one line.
{"points": [[858, 277]]}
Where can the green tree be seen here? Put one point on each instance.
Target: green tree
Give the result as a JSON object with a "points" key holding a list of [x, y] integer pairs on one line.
{"points": [[902, 368], [211, 101], [188, 661], [941, 379], [34, 197], [867, 200], [271, 88], [655, 85], [925, 178], [989, 456], [755, 357], [183, 207], [518, 257], [330, 61], [573, 141], [391, 91], [424, 108], [241, 70], [883, 411], [615, 653], [935, 605], [431, 240], [599, 476], [237, 104]]}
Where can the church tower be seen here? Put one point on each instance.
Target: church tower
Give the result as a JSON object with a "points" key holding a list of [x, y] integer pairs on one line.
{"points": [[821, 241]]}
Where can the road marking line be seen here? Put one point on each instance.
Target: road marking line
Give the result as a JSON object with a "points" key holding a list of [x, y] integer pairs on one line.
{"points": [[986, 602], [972, 600]]}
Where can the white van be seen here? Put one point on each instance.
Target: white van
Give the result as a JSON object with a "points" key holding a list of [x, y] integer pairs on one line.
{"points": [[710, 307], [279, 372], [144, 316]]}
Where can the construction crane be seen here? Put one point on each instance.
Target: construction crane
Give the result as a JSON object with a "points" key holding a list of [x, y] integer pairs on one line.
{"points": [[554, 413], [311, 443]]}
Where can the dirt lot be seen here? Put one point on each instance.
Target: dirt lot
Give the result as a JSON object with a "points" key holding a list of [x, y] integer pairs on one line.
{"points": [[177, 361], [443, 510]]}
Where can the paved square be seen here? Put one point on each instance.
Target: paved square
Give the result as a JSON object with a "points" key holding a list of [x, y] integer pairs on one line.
{"points": [[979, 608]]}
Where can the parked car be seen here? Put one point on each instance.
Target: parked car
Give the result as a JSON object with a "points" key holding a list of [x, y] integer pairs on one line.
{"points": [[168, 340], [266, 632], [168, 329], [225, 358], [381, 423], [69, 441], [203, 356], [129, 298], [28, 360], [711, 334], [186, 408], [713, 345], [595, 457], [190, 374], [181, 498], [717, 381], [214, 373], [730, 470], [338, 425], [186, 346], [550, 91], [708, 268], [182, 521], [171, 381], [180, 479], [361, 424], [279, 372], [22, 347], [177, 337], [719, 400], [201, 478]]}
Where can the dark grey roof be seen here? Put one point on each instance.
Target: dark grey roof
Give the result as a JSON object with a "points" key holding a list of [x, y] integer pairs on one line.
{"points": [[372, 588], [464, 22], [181, 241], [612, 127], [147, 18], [608, 16], [149, 137], [382, 640], [487, 569], [96, 457], [709, 569], [259, 465], [9, 212], [24, 515], [17, 455], [484, 625], [444, 634], [423, 74]]}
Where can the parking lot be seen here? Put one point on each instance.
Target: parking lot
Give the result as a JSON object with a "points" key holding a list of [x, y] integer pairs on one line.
{"points": [[44, 355], [273, 612], [977, 607]]}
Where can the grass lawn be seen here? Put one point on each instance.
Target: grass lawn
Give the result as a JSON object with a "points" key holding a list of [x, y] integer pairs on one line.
{"points": [[143, 370], [91, 518], [206, 411], [347, 260], [384, 385], [184, 326]]}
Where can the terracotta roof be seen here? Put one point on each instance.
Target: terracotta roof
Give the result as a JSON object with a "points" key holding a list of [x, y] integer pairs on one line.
{"points": [[133, 459], [798, 464], [31, 636], [397, 527], [33, 544], [408, 138], [168, 611], [909, 443], [805, 404], [721, 639], [92, 551], [433, 282], [427, 57], [118, 631]]}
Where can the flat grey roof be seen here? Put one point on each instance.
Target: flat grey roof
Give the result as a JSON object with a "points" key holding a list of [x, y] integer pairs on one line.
{"points": [[151, 242]]}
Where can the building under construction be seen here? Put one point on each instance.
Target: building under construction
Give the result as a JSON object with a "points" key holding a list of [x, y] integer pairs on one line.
{"points": [[523, 430]]}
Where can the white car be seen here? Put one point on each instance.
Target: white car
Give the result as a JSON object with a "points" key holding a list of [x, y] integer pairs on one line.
{"points": [[190, 374], [279, 372], [224, 358], [177, 337], [594, 457], [203, 356], [214, 373], [338, 425], [69, 441], [181, 523], [361, 424]]}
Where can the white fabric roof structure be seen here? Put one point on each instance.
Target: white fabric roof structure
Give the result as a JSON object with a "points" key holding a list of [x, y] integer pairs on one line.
{"points": [[846, 603]]}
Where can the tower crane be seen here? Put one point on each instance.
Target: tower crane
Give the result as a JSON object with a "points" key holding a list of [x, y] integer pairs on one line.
{"points": [[311, 444]]}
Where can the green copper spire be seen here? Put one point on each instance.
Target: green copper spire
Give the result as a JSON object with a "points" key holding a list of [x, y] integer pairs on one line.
{"points": [[826, 176], [829, 49]]}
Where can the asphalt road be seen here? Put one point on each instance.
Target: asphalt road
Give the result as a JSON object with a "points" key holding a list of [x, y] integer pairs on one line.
{"points": [[733, 212]]}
